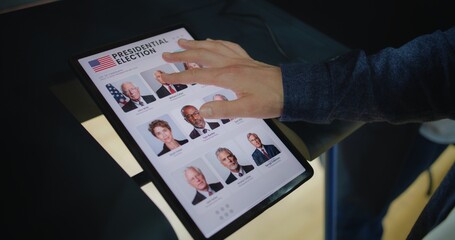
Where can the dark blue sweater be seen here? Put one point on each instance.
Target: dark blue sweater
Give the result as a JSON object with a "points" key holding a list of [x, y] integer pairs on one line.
{"points": [[412, 83]]}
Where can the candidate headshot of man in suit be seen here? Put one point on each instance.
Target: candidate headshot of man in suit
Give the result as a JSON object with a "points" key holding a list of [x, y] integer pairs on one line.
{"points": [[196, 179], [134, 94], [191, 114], [229, 160], [263, 152], [166, 89]]}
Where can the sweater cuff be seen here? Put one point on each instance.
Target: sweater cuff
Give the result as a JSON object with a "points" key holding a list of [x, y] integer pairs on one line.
{"points": [[307, 93]]}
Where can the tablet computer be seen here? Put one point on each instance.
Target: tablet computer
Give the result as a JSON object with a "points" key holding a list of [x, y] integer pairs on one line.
{"points": [[216, 174]]}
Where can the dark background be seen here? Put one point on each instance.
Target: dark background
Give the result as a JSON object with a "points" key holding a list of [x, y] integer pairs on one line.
{"points": [[372, 24]]}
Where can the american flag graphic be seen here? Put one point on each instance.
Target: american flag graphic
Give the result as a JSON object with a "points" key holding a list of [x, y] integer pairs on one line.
{"points": [[102, 63], [118, 96]]}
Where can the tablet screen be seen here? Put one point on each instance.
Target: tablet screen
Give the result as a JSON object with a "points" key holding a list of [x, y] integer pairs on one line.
{"points": [[216, 174]]}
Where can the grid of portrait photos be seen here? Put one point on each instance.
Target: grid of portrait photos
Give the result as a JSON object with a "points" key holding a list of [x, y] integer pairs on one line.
{"points": [[206, 163]]}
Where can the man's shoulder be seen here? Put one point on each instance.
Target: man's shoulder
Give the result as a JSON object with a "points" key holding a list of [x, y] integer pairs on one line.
{"points": [[248, 167], [194, 134], [183, 141], [216, 186], [180, 86], [149, 98], [128, 106], [160, 89], [213, 124], [269, 145]]}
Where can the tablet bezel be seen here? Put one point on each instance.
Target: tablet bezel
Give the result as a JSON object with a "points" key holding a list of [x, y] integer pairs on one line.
{"points": [[150, 170]]}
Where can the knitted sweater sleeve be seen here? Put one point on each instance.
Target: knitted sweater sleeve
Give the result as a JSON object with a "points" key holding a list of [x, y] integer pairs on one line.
{"points": [[412, 83]]}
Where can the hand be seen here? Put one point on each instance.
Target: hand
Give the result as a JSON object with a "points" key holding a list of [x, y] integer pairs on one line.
{"points": [[258, 86]]}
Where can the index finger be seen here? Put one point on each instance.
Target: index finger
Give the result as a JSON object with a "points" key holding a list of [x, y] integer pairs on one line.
{"points": [[201, 56], [219, 46]]}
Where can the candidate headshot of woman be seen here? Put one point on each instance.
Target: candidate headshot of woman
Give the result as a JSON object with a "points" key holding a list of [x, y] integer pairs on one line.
{"points": [[163, 132]]}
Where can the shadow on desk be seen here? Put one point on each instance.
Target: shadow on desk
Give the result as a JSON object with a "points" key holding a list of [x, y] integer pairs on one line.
{"points": [[63, 185]]}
